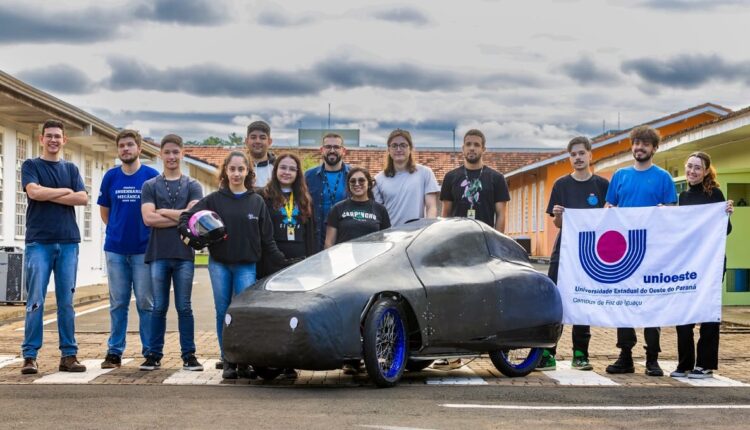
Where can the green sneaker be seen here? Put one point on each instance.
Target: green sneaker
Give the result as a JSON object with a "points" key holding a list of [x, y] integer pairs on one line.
{"points": [[580, 361], [548, 362]]}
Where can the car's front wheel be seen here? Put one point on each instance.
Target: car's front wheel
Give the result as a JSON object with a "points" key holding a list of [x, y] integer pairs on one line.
{"points": [[385, 343], [516, 362]]}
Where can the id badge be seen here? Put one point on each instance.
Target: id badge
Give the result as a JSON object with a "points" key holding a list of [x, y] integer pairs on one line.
{"points": [[290, 233], [471, 213]]}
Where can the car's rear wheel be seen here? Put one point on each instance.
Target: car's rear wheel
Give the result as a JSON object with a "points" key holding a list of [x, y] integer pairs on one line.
{"points": [[268, 373], [516, 362], [417, 365], [385, 343]]}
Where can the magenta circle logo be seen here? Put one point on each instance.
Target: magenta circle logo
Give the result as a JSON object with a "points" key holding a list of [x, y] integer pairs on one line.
{"points": [[611, 246]]}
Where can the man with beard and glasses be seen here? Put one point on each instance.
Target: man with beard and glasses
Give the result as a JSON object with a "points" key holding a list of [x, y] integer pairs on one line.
{"points": [[327, 182], [258, 141], [643, 184], [125, 246], [474, 190]]}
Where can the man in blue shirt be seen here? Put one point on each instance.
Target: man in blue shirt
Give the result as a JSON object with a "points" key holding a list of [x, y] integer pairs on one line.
{"points": [[327, 182], [643, 184], [53, 187], [125, 246]]}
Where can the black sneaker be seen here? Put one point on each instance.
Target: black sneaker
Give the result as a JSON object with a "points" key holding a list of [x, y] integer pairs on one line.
{"points": [[219, 364], [111, 361], [653, 368], [624, 364], [230, 370], [246, 371], [151, 363], [191, 363]]}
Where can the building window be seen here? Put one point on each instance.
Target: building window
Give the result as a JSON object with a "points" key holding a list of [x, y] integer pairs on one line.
{"points": [[87, 173], [542, 218], [21, 151], [533, 207]]}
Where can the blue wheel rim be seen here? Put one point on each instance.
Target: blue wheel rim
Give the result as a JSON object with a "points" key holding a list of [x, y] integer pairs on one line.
{"points": [[528, 361], [390, 344]]}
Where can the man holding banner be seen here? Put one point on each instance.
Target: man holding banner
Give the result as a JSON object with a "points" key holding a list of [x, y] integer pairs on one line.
{"points": [[644, 184], [578, 190]]}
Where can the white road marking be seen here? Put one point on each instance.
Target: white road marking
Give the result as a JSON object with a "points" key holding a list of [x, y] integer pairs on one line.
{"points": [[593, 407], [391, 427], [93, 371], [6, 360], [461, 376], [565, 375], [77, 314], [716, 381], [209, 376]]}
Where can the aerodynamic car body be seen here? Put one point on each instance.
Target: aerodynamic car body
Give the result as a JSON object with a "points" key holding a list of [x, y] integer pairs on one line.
{"points": [[399, 298]]}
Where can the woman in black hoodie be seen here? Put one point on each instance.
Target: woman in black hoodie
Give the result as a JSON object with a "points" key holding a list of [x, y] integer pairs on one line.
{"points": [[703, 188], [249, 235]]}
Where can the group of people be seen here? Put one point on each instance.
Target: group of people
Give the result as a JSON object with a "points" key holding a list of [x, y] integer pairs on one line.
{"points": [[275, 214], [640, 185]]}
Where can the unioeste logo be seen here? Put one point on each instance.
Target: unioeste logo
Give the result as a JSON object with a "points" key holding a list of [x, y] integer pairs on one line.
{"points": [[611, 259]]}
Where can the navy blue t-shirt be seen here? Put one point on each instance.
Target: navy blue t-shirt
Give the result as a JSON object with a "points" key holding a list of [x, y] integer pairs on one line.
{"points": [[49, 222], [121, 193]]}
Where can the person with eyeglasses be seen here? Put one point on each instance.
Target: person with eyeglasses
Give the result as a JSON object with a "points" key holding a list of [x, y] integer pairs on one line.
{"points": [[327, 182], [407, 189], [358, 215]]}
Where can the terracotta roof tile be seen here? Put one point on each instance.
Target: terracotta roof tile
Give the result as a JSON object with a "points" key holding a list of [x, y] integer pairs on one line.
{"points": [[441, 162]]}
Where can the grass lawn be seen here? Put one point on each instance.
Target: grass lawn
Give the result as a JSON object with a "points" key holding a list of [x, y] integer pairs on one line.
{"points": [[201, 259]]}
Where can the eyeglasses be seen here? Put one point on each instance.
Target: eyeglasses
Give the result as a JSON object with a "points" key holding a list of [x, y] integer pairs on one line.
{"points": [[355, 181], [398, 145], [332, 147], [288, 168]]}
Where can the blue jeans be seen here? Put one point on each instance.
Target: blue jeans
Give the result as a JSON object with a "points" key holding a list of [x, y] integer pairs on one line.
{"points": [[228, 280], [40, 261], [164, 273], [128, 273]]}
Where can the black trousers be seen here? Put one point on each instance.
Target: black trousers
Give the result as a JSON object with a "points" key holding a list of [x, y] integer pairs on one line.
{"points": [[581, 333], [626, 339], [708, 347]]}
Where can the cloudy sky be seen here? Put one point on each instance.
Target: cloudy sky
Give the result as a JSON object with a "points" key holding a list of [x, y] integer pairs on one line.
{"points": [[530, 74]]}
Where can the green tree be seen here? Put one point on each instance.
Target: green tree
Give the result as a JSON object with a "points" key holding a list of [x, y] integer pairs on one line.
{"points": [[235, 139]]}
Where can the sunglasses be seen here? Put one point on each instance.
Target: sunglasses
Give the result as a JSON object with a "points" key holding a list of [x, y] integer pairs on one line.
{"points": [[355, 181]]}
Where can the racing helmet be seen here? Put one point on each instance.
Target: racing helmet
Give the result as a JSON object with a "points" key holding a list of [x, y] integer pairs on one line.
{"points": [[207, 225]]}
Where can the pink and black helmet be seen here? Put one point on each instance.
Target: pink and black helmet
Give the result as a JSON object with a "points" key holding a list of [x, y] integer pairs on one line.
{"points": [[207, 225]]}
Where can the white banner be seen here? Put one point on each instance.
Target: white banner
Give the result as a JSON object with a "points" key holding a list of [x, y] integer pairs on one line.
{"points": [[642, 267]]}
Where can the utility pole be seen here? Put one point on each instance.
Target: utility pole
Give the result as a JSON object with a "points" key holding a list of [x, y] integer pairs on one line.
{"points": [[454, 140]]}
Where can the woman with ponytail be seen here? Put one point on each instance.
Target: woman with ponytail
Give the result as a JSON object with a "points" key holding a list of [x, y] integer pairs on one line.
{"points": [[703, 188]]}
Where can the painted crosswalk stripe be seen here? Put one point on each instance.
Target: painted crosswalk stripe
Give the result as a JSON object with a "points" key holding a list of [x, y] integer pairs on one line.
{"points": [[565, 375], [716, 381], [6, 360], [461, 376], [209, 376], [93, 371], [77, 314], [593, 407]]}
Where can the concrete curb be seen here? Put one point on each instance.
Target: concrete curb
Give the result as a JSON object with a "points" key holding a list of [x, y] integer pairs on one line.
{"points": [[82, 295]]}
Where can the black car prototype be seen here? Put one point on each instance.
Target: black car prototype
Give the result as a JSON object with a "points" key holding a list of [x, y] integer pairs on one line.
{"points": [[398, 299]]}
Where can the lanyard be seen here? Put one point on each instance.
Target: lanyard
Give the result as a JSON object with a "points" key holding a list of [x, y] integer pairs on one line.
{"points": [[331, 192], [289, 206], [172, 198], [471, 192]]}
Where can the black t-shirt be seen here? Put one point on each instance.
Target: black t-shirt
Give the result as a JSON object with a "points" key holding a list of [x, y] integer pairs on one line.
{"points": [[476, 189], [573, 194], [353, 219], [291, 247]]}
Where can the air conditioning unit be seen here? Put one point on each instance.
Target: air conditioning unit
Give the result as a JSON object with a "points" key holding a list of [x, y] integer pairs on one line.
{"points": [[12, 288]]}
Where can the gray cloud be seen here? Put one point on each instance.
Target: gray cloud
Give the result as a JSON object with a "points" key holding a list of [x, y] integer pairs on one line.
{"points": [[586, 72], [190, 12], [690, 5], [207, 80], [342, 73], [403, 14], [687, 71], [60, 78], [276, 16], [22, 24]]}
